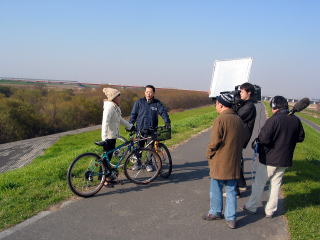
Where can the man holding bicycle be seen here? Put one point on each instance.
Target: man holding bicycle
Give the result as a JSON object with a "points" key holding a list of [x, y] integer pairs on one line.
{"points": [[145, 114]]}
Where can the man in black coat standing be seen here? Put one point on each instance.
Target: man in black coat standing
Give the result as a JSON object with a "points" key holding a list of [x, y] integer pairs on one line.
{"points": [[278, 138], [247, 112]]}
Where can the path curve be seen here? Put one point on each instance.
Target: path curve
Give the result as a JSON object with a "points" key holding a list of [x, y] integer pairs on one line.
{"points": [[19, 153]]}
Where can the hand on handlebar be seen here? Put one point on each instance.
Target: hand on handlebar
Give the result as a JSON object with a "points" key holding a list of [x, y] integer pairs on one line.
{"points": [[132, 129]]}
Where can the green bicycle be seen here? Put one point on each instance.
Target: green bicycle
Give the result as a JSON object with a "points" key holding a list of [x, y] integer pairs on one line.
{"points": [[88, 172]]}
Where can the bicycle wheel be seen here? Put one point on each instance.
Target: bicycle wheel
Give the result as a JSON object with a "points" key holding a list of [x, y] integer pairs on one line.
{"points": [[86, 174], [119, 153], [166, 160], [136, 166]]}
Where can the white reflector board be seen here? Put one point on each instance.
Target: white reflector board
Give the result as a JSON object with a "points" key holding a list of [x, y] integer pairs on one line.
{"points": [[229, 73]]}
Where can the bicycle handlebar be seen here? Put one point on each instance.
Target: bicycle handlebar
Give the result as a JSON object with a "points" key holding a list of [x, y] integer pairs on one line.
{"points": [[145, 133]]}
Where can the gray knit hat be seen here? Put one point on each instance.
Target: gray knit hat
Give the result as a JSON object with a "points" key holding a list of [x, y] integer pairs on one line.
{"points": [[111, 93], [226, 99]]}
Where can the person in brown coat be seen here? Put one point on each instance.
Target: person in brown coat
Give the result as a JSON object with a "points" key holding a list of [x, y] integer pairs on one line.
{"points": [[224, 154]]}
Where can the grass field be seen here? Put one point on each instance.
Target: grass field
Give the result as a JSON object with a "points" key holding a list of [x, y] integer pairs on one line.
{"points": [[26, 191], [301, 187], [313, 117]]}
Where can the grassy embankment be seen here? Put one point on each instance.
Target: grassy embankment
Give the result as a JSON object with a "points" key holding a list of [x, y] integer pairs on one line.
{"points": [[301, 187], [311, 116], [26, 191]]}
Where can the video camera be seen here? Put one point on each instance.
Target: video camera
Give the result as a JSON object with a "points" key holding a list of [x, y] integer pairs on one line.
{"points": [[256, 96]]}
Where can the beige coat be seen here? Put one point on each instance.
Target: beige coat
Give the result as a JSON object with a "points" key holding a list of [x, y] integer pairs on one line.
{"points": [[225, 147], [111, 120]]}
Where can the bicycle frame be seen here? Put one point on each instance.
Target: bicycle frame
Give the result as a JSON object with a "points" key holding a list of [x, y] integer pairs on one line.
{"points": [[153, 143], [129, 145], [105, 157]]}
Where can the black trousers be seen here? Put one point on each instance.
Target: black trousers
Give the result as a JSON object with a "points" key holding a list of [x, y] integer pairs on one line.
{"points": [[109, 145], [241, 181]]}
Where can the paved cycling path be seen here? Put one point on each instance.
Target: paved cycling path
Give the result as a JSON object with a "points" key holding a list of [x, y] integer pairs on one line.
{"points": [[164, 209], [19, 153], [311, 124]]}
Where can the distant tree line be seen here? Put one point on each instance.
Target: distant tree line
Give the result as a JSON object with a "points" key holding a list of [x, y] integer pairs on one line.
{"points": [[27, 112]]}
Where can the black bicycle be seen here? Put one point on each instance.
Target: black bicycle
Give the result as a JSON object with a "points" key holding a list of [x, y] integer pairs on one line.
{"points": [[153, 140]]}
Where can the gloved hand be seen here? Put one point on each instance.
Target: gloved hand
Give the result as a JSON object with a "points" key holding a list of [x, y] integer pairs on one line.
{"points": [[132, 129], [168, 125]]}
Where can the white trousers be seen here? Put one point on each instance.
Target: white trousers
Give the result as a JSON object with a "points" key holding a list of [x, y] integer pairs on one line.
{"points": [[263, 174]]}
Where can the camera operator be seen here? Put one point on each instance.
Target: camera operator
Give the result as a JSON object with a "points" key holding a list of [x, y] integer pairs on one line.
{"points": [[247, 112], [278, 138]]}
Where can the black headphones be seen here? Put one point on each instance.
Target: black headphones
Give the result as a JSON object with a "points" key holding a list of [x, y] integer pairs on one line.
{"points": [[278, 102], [272, 104]]}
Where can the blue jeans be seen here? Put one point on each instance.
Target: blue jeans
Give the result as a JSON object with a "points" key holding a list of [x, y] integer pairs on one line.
{"points": [[216, 199]]}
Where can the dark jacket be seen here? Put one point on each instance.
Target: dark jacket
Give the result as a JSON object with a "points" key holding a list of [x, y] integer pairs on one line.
{"points": [[225, 147], [247, 113], [278, 137], [146, 114]]}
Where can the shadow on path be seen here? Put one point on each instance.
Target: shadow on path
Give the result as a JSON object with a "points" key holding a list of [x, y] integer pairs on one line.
{"points": [[181, 173]]}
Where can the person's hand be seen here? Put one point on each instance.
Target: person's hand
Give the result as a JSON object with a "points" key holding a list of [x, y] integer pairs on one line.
{"points": [[256, 145], [132, 129], [168, 125]]}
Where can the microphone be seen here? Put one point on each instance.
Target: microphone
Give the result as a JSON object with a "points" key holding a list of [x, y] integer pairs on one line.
{"points": [[300, 105]]}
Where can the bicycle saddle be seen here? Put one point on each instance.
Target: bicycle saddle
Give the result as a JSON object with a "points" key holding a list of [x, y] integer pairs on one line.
{"points": [[100, 143]]}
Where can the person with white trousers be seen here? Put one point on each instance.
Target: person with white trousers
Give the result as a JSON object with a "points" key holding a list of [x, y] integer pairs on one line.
{"points": [[278, 139]]}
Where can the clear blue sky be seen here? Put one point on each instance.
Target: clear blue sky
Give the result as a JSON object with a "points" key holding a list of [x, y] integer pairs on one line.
{"points": [[165, 43]]}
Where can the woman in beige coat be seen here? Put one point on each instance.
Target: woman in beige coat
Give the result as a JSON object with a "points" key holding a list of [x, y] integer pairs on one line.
{"points": [[112, 119]]}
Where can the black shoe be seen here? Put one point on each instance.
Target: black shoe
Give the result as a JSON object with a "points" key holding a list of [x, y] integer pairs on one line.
{"points": [[247, 211], [211, 217], [231, 224]]}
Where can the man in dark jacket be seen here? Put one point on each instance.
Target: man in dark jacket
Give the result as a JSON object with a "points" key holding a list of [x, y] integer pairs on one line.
{"points": [[278, 139], [145, 113], [246, 109], [247, 112]]}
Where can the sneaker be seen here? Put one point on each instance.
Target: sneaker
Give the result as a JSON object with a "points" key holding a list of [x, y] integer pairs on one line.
{"points": [[247, 211], [268, 216], [149, 168], [231, 224], [136, 167], [211, 217]]}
